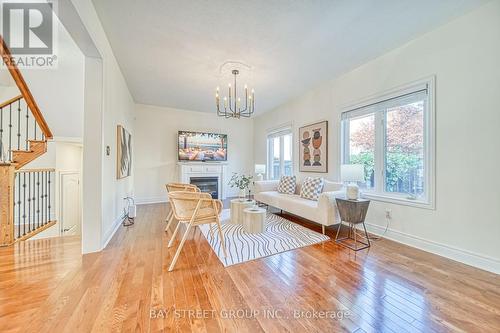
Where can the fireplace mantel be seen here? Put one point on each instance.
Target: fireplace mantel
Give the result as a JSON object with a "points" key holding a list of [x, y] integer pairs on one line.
{"points": [[204, 169]]}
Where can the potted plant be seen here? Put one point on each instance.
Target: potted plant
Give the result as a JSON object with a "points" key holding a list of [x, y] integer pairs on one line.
{"points": [[242, 182]]}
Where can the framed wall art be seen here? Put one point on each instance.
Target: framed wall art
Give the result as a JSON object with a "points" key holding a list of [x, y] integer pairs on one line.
{"points": [[124, 153], [313, 147]]}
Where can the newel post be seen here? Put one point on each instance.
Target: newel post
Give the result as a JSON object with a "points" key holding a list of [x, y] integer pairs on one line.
{"points": [[6, 204]]}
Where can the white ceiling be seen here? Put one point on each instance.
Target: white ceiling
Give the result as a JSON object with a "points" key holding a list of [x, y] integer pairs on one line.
{"points": [[170, 51]]}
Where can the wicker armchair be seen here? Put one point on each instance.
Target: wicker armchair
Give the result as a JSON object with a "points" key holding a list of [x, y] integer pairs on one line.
{"points": [[194, 208], [178, 187]]}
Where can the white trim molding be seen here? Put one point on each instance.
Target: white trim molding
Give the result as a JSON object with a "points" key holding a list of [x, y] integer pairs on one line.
{"points": [[60, 175], [460, 255], [368, 106], [116, 224]]}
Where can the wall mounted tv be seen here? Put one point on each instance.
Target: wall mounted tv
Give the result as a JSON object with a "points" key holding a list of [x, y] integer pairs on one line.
{"points": [[200, 146]]}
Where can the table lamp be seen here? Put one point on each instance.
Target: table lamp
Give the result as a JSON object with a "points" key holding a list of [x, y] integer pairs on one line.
{"points": [[260, 170], [352, 173]]}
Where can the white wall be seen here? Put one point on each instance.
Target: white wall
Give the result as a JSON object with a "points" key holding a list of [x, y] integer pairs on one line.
{"points": [[156, 146], [59, 92], [116, 107], [464, 55], [8, 87]]}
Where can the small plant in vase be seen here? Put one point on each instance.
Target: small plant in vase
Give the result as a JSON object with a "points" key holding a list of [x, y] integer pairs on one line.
{"points": [[242, 182]]}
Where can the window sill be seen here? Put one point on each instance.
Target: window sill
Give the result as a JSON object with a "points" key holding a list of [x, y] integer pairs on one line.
{"points": [[398, 200]]}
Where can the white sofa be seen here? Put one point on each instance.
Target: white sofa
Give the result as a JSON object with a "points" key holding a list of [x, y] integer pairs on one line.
{"points": [[323, 211]]}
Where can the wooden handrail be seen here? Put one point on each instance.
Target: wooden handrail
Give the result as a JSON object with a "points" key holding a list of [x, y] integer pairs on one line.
{"points": [[10, 101], [23, 88], [35, 170]]}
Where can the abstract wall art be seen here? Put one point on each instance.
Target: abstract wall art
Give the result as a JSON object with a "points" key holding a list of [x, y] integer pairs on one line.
{"points": [[124, 153], [313, 147]]}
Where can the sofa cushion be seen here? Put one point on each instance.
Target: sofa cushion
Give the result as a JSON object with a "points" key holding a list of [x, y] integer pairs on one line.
{"points": [[287, 184], [311, 188]]}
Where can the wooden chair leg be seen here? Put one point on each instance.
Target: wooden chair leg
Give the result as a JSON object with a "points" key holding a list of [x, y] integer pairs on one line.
{"points": [[211, 231], [169, 215], [323, 228], [171, 242], [221, 237], [172, 265], [170, 220]]}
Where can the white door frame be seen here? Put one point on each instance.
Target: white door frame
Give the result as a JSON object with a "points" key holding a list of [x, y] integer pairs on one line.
{"points": [[60, 197]]}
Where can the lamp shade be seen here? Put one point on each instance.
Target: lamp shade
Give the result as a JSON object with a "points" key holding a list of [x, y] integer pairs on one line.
{"points": [[260, 168], [352, 172]]}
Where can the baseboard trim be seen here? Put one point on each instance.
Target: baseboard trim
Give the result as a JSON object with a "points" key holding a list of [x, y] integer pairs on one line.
{"points": [[116, 224], [463, 256], [150, 200]]}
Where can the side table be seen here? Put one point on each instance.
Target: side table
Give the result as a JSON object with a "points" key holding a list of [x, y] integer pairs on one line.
{"points": [[237, 207], [254, 220], [352, 212]]}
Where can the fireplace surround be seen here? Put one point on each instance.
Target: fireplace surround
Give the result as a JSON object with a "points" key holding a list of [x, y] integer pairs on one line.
{"points": [[200, 172]]}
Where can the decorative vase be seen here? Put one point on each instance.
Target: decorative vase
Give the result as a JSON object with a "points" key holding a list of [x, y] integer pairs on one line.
{"points": [[242, 194]]}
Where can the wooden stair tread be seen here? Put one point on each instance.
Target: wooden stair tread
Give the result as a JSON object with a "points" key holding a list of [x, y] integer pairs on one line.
{"points": [[23, 157], [15, 151]]}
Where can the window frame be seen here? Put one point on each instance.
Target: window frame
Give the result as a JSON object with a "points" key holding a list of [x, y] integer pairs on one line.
{"points": [[379, 193], [274, 133]]}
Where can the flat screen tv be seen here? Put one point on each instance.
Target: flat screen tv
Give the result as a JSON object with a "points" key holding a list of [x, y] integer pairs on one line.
{"points": [[200, 146]]}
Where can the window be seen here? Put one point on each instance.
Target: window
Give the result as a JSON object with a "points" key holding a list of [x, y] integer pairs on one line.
{"points": [[279, 153], [393, 138]]}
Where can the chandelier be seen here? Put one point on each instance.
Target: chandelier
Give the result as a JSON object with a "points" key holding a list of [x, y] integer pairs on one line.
{"points": [[232, 105]]}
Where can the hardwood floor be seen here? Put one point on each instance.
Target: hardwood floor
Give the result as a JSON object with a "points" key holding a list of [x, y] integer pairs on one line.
{"points": [[47, 286]]}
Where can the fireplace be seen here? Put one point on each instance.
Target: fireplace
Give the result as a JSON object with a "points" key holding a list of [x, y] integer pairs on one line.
{"points": [[207, 185], [200, 173]]}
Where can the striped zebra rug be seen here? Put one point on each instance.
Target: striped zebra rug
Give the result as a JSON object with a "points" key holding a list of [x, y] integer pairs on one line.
{"points": [[281, 235]]}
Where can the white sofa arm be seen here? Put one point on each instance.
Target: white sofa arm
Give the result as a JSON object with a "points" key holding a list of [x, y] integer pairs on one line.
{"points": [[265, 185], [328, 206]]}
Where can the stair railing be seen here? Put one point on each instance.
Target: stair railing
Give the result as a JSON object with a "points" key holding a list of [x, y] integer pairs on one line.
{"points": [[17, 128], [23, 139], [33, 202]]}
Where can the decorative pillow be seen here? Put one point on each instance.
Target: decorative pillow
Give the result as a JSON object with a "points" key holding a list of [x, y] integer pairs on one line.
{"points": [[311, 188], [287, 184]]}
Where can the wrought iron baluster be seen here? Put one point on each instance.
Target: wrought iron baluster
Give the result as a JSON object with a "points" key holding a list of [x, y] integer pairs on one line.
{"points": [[46, 201], [41, 198], [49, 174], [18, 206], [27, 125], [38, 198], [19, 125], [29, 201], [10, 132], [33, 200], [24, 203]]}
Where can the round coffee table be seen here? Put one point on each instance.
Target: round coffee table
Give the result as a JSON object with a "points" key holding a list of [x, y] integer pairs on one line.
{"points": [[254, 220], [237, 207]]}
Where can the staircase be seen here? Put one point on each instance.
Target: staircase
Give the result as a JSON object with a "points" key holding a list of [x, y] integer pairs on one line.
{"points": [[25, 194]]}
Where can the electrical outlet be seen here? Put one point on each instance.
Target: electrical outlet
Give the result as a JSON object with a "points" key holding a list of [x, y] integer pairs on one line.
{"points": [[388, 214]]}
